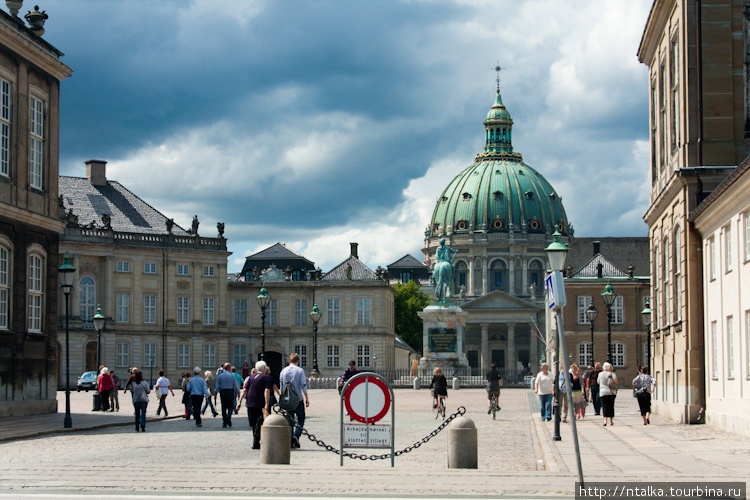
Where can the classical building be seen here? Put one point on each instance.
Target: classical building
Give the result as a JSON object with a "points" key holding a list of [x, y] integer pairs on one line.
{"points": [[162, 288], [356, 305], [499, 213], [30, 75], [699, 129]]}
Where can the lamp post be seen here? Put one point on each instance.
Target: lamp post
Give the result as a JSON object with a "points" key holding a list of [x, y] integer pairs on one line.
{"points": [[99, 322], [263, 300], [556, 252], [646, 316], [315, 315], [591, 313], [609, 296], [66, 271]]}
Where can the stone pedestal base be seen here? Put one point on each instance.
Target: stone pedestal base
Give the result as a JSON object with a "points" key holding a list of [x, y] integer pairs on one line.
{"points": [[443, 339]]}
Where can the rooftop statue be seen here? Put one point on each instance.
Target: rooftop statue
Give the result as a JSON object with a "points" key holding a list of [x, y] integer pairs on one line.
{"points": [[443, 271]]}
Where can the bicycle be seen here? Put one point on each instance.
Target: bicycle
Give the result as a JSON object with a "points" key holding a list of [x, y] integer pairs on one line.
{"points": [[439, 408], [493, 405]]}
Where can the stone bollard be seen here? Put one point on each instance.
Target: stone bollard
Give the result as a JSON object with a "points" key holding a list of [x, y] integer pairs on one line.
{"points": [[275, 440], [462, 444], [456, 385], [416, 383]]}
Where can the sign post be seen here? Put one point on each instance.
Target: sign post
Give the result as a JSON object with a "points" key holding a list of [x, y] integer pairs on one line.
{"points": [[367, 397]]}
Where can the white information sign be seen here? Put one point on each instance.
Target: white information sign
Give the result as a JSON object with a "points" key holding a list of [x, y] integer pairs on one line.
{"points": [[367, 436]]}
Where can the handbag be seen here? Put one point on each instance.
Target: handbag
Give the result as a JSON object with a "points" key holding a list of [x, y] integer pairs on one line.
{"points": [[612, 386], [637, 391], [289, 399]]}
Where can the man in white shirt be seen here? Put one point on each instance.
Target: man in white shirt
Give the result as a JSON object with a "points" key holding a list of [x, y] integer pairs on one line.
{"points": [[162, 383], [295, 375]]}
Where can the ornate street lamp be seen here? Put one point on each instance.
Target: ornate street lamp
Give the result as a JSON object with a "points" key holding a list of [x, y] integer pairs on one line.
{"points": [[556, 253], [263, 300], [646, 316], [66, 278], [99, 322], [609, 296], [315, 315], [591, 313]]}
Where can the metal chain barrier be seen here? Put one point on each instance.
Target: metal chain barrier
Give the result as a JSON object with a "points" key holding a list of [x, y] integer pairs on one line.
{"points": [[461, 411]]}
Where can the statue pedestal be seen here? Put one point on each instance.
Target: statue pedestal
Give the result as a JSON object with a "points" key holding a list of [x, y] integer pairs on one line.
{"points": [[443, 339]]}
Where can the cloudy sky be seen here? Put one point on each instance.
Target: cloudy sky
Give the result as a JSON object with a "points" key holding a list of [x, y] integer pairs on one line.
{"points": [[319, 123]]}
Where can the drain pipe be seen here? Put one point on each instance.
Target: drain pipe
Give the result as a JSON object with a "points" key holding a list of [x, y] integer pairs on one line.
{"points": [[699, 80]]}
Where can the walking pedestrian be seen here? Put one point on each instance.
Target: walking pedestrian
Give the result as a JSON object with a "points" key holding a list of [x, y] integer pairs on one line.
{"points": [[576, 387], [104, 386], [594, 388], [562, 383], [608, 392], [543, 385], [165, 387], [239, 380], [256, 391], [186, 376], [114, 399], [198, 390], [643, 386], [295, 375], [228, 389], [140, 390], [348, 373], [211, 383]]}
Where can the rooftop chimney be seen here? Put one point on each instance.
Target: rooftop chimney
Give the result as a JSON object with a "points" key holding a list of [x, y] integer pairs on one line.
{"points": [[96, 172], [354, 250], [597, 247]]}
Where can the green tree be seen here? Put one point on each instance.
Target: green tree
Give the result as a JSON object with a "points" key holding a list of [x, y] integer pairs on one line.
{"points": [[408, 302]]}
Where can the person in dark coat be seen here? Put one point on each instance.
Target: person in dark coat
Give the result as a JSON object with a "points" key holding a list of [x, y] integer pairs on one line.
{"points": [[440, 384]]}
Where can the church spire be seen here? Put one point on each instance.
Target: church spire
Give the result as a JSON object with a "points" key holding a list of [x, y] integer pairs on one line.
{"points": [[498, 125]]}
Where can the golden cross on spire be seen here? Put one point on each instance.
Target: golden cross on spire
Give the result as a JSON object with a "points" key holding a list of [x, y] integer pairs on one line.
{"points": [[498, 68]]}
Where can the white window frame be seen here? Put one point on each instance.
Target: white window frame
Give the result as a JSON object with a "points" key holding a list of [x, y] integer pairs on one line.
{"points": [[123, 266], [363, 355], [149, 355], [209, 355], [183, 311], [208, 311], [364, 311], [123, 308], [209, 271], [122, 358], [149, 268], [728, 264], [87, 301], [300, 312], [618, 354], [301, 349], [240, 312], [333, 312], [239, 355], [183, 356], [271, 316], [712, 258], [5, 127], [4, 287], [35, 292], [36, 142], [183, 269], [585, 356], [618, 310], [730, 347], [677, 274], [149, 309], [333, 356], [746, 224], [714, 351], [583, 302]]}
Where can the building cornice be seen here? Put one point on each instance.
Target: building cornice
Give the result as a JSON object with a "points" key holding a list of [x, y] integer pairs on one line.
{"points": [[654, 30], [31, 218], [17, 38]]}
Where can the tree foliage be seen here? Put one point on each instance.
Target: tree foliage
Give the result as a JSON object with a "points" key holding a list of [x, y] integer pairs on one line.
{"points": [[408, 302]]}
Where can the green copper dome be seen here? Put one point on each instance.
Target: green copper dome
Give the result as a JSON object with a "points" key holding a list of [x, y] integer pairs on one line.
{"points": [[498, 192]]}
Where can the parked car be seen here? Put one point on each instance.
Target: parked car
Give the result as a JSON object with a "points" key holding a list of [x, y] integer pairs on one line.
{"points": [[87, 381]]}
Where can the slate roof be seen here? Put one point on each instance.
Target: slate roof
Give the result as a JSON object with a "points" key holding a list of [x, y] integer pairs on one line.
{"points": [[277, 251], [128, 212], [621, 252], [408, 261], [590, 269], [360, 272]]}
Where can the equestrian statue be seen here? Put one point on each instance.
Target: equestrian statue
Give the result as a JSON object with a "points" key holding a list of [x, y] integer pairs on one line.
{"points": [[443, 271]]}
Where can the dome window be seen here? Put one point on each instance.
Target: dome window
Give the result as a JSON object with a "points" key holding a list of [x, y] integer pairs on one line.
{"points": [[436, 227], [552, 196], [529, 195], [520, 172], [498, 223], [444, 199], [535, 225], [466, 196], [498, 172], [462, 225]]}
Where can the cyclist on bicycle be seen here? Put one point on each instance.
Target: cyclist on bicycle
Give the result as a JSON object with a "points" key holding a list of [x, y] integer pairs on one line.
{"points": [[441, 385], [494, 383]]}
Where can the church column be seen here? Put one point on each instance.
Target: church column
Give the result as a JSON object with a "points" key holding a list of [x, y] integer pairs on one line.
{"points": [[533, 354], [511, 276], [510, 352], [470, 283], [485, 362], [485, 276], [525, 277]]}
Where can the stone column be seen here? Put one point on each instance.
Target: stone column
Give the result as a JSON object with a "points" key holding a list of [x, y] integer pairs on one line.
{"points": [[470, 282], [510, 352], [511, 276], [485, 363], [485, 276]]}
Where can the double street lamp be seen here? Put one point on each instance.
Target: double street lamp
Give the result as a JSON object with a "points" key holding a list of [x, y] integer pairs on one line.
{"points": [[315, 315], [646, 316], [591, 313], [66, 271], [263, 300], [609, 296]]}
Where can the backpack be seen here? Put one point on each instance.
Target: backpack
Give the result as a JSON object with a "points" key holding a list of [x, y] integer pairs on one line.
{"points": [[289, 399]]}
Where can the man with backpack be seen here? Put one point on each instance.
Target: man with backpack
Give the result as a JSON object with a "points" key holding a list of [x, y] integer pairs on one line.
{"points": [[294, 376]]}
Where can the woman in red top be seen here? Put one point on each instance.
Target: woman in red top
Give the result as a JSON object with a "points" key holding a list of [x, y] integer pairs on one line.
{"points": [[104, 385]]}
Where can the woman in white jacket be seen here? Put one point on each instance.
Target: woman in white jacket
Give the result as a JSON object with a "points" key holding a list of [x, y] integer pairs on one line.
{"points": [[607, 392]]}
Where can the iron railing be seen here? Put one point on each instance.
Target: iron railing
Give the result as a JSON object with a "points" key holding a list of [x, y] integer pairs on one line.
{"points": [[467, 377]]}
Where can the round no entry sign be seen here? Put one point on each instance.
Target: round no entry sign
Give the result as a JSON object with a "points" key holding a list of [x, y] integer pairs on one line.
{"points": [[367, 399]]}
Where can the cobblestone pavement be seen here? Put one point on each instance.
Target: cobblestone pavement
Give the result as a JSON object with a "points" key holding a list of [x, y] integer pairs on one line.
{"points": [[517, 457]]}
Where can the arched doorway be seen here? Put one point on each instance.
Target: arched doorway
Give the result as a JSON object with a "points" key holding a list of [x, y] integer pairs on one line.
{"points": [[91, 357]]}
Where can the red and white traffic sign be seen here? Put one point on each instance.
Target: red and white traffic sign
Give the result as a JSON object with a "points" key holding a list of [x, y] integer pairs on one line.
{"points": [[367, 399]]}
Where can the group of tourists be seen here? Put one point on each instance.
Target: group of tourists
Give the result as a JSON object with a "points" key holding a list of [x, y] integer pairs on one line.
{"points": [[597, 384], [108, 385]]}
